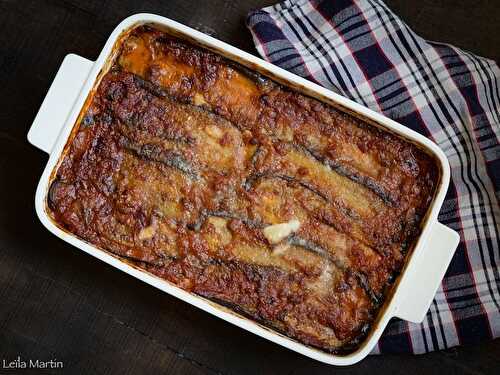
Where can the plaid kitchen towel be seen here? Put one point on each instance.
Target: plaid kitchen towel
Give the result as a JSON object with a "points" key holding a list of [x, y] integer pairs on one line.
{"points": [[361, 50]]}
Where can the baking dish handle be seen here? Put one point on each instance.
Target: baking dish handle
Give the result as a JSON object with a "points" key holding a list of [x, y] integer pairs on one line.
{"points": [[58, 102], [423, 278]]}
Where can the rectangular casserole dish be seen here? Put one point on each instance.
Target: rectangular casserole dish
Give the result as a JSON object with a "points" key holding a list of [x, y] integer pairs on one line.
{"points": [[425, 266]]}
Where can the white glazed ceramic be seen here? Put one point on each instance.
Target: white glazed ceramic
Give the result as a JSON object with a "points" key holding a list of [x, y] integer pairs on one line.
{"points": [[417, 284]]}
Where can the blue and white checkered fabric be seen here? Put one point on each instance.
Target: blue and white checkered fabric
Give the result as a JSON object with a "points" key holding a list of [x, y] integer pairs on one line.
{"points": [[361, 50]]}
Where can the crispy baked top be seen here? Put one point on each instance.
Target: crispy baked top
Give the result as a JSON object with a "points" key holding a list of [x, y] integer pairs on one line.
{"points": [[243, 191]]}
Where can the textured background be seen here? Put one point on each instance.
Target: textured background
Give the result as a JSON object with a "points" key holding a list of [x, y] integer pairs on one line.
{"points": [[59, 303]]}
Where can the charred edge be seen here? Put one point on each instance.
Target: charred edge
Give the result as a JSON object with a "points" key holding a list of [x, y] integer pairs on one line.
{"points": [[87, 121], [363, 282], [345, 171], [236, 308], [159, 92], [295, 240], [204, 215], [156, 90], [160, 263], [256, 274], [253, 224], [150, 87], [252, 179], [293, 180], [411, 233], [258, 78], [379, 249], [167, 157], [343, 349], [196, 226], [51, 199], [246, 313], [253, 176], [258, 151], [353, 344], [167, 40], [125, 125]]}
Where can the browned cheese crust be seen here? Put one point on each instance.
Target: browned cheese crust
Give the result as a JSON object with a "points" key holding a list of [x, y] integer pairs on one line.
{"points": [[183, 159]]}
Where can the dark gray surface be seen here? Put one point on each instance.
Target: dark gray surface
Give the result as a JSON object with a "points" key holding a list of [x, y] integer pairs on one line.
{"points": [[470, 25], [59, 303]]}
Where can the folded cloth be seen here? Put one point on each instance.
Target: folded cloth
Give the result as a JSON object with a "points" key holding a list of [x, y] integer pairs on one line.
{"points": [[363, 51]]}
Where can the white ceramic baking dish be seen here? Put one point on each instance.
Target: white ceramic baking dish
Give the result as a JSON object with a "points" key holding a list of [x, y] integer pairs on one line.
{"points": [[413, 291]]}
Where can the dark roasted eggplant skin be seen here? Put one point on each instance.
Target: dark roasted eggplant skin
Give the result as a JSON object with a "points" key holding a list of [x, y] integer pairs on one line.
{"points": [[183, 159]]}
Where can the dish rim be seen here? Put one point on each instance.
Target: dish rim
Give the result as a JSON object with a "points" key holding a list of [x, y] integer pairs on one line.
{"points": [[389, 307]]}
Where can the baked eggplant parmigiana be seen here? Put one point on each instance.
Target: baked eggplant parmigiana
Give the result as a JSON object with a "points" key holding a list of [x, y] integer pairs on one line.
{"points": [[240, 190]]}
